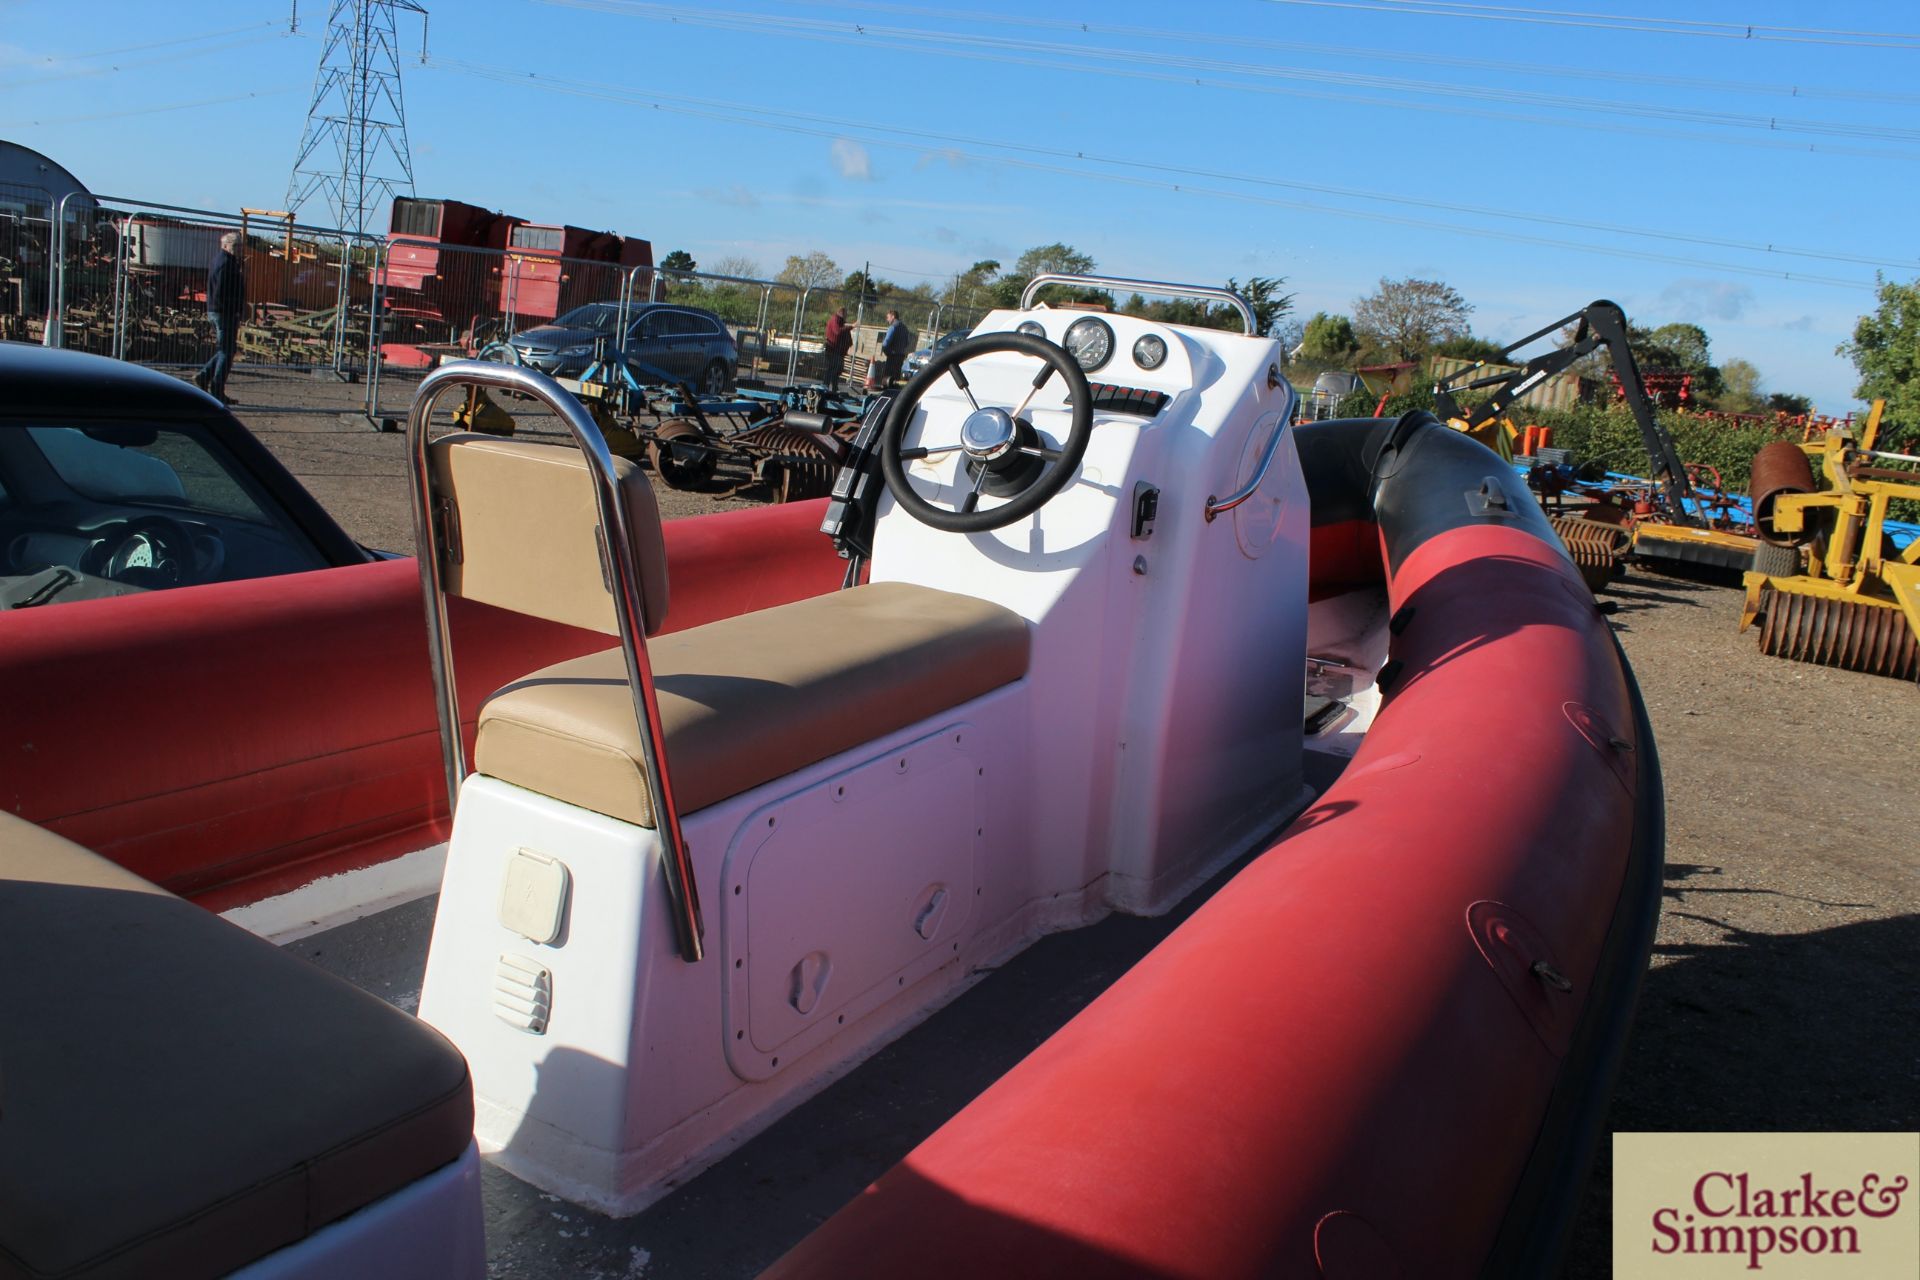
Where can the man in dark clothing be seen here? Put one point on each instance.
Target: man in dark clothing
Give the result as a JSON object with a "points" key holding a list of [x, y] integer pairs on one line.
{"points": [[226, 295], [839, 338], [894, 345]]}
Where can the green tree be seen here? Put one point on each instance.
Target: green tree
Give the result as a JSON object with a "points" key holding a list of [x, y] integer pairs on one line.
{"points": [[812, 271], [1886, 351], [1740, 389], [1469, 347], [1329, 339], [1270, 306], [1405, 318], [679, 260], [1686, 346], [1056, 258], [1792, 405]]}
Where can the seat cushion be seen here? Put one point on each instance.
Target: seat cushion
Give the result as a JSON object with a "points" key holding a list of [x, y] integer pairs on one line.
{"points": [[527, 530], [751, 698], [179, 1097]]}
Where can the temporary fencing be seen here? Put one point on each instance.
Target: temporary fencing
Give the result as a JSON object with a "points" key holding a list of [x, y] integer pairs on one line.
{"points": [[26, 255], [433, 301], [129, 280]]}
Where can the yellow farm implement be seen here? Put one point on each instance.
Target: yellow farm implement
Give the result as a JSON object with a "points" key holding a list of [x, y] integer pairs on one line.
{"points": [[1828, 586]]}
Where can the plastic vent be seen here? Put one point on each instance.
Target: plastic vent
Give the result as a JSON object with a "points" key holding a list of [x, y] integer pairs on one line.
{"points": [[523, 994]]}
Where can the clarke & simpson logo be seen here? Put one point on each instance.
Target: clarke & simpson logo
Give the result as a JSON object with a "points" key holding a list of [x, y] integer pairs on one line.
{"points": [[1800, 1206]]}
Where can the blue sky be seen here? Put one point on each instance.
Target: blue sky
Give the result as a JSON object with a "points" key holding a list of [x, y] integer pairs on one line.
{"points": [[1152, 135]]}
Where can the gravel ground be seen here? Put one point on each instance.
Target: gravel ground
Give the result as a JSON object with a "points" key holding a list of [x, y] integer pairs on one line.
{"points": [[1782, 992]]}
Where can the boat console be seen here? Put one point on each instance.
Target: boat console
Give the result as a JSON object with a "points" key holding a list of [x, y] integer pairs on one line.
{"points": [[694, 877]]}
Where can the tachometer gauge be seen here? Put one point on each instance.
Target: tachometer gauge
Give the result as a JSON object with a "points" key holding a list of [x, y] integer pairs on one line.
{"points": [[1090, 342], [1032, 327], [1150, 351]]}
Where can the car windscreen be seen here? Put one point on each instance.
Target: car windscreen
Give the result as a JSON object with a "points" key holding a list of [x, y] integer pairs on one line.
{"points": [[599, 316], [177, 467]]}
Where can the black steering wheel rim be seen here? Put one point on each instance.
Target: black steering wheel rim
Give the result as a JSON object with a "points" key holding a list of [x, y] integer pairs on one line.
{"points": [[1036, 494]]}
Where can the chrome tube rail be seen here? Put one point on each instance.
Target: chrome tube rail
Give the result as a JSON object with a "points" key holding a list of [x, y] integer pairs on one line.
{"points": [[1162, 287], [629, 614], [1217, 505]]}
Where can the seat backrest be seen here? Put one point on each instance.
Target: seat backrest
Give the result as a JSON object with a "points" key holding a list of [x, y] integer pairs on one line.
{"points": [[521, 531]]}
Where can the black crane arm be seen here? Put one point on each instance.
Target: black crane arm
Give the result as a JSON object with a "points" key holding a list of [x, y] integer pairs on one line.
{"points": [[1600, 323]]}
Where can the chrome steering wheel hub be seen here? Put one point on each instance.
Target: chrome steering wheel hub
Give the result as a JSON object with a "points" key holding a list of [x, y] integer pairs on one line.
{"points": [[987, 434]]}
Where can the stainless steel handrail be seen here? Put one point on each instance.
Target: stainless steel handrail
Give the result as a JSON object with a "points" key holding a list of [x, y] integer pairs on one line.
{"points": [[1162, 287], [629, 612], [1216, 505]]}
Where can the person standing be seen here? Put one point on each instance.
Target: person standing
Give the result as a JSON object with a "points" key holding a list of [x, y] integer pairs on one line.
{"points": [[226, 295], [839, 339], [893, 346]]}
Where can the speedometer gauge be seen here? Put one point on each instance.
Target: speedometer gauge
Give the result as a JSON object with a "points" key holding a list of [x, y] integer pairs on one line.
{"points": [[1090, 342]]}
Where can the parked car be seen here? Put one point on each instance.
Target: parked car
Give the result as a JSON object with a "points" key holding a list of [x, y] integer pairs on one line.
{"points": [[918, 360], [684, 342], [117, 479]]}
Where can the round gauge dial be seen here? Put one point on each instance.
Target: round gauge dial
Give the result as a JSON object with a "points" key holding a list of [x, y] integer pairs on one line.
{"points": [[1150, 351], [135, 553], [1090, 342], [1033, 327]]}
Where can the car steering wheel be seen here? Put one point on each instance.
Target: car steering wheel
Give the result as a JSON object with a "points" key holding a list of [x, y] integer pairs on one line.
{"points": [[151, 551], [1003, 453]]}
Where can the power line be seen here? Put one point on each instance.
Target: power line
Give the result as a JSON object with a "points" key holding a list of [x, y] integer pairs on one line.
{"points": [[151, 44], [729, 113], [1005, 50], [1240, 40], [81, 73], [147, 111], [1625, 22]]}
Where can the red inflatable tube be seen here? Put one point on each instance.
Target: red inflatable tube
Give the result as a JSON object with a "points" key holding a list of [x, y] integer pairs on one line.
{"points": [[1357, 1059], [238, 740]]}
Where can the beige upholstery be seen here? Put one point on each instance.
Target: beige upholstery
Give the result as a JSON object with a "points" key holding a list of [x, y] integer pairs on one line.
{"points": [[527, 530], [179, 1097], [749, 699]]}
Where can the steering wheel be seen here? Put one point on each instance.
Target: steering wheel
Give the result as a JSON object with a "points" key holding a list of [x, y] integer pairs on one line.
{"points": [[1003, 453], [151, 551]]}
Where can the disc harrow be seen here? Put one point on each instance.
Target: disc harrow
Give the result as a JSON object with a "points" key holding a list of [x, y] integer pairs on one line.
{"points": [[793, 464], [1857, 635], [1595, 548]]}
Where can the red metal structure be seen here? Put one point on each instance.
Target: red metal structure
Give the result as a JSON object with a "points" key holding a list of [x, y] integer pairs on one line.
{"points": [[452, 303], [534, 280], [412, 263]]}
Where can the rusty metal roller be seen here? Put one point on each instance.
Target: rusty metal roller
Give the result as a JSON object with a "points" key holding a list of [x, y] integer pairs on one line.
{"points": [[1779, 468], [1851, 634], [1594, 548]]}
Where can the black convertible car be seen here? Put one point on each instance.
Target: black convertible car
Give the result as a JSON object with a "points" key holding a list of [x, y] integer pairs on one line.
{"points": [[115, 479]]}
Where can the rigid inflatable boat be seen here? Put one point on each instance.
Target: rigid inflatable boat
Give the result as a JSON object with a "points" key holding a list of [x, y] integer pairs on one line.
{"points": [[1075, 645]]}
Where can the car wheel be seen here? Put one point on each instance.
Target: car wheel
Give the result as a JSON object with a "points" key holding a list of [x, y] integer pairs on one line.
{"points": [[717, 379]]}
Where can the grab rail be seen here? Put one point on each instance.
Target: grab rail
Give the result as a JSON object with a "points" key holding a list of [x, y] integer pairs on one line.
{"points": [[1227, 296], [1216, 505], [628, 610]]}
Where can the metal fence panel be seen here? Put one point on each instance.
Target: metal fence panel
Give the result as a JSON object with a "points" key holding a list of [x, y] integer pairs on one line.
{"points": [[131, 282], [435, 302], [26, 258]]}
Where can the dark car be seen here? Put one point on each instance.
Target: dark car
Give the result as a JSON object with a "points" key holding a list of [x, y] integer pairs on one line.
{"points": [[685, 343], [918, 360], [117, 479]]}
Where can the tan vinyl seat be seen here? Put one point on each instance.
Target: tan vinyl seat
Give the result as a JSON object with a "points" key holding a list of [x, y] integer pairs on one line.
{"points": [[742, 701], [751, 698], [179, 1097]]}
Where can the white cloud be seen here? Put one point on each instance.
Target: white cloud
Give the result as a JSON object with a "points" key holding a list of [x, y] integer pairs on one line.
{"points": [[1697, 300], [851, 161]]}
